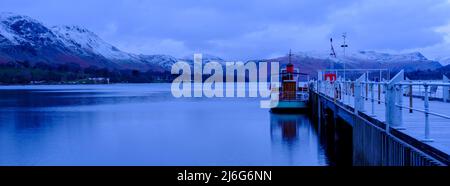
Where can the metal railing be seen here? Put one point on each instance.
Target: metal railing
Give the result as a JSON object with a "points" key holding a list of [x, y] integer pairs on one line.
{"points": [[391, 93]]}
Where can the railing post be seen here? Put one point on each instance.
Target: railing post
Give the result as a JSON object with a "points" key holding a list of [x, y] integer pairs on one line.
{"points": [[328, 88], [427, 119], [394, 115], [410, 97], [346, 99], [340, 89], [349, 91], [387, 108], [381, 72], [372, 98], [352, 86], [335, 91], [379, 92], [445, 89], [323, 85], [319, 75], [420, 91], [399, 108], [367, 85], [319, 86], [316, 83], [319, 80], [359, 100], [344, 93], [319, 109]]}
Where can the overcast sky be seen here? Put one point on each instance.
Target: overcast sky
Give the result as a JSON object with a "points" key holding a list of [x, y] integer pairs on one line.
{"points": [[248, 29]]}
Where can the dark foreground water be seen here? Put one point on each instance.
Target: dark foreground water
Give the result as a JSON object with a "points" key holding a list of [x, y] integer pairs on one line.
{"points": [[142, 124]]}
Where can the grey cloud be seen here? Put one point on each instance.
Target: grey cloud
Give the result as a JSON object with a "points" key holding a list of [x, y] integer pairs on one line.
{"points": [[246, 29]]}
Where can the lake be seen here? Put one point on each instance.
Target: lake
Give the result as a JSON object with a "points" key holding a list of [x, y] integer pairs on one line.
{"points": [[143, 124]]}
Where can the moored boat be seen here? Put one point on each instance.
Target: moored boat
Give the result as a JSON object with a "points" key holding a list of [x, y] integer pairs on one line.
{"points": [[293, 92]]}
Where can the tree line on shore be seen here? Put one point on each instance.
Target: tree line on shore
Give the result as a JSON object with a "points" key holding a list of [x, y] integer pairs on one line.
{"points": [[23, 72]]}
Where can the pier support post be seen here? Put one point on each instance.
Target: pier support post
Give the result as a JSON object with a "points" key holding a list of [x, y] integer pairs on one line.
{"points": [[394, 96]]}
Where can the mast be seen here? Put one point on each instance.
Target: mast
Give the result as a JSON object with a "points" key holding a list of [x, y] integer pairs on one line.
{"points": [[290, 55], [333, 53], [344, 36]]}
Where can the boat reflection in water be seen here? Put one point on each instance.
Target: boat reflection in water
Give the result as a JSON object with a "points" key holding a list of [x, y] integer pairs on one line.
{"points": [[296, 136]]}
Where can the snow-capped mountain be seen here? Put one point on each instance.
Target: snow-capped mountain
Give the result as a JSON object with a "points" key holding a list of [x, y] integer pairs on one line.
{"points": [[310, 62], [25, 39], [365, 56], [17, 29]]}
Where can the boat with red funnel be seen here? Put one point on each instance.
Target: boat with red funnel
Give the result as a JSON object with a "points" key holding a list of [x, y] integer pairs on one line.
{"points": [[293, 90]]}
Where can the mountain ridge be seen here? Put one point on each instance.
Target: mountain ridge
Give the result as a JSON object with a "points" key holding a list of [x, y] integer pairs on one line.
{"points": [[23, 38], [311, 62]]}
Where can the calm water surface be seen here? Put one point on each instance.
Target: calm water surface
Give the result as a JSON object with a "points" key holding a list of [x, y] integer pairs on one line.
{"points": [[143, 124]]}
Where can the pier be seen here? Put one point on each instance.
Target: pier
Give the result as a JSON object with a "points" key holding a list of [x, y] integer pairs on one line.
{"points": [[391, 121]]}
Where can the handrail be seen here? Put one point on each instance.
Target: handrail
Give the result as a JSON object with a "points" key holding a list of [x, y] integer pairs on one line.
{"points": [[349, 70], [395, 90], [423, 111], [424, 83]]}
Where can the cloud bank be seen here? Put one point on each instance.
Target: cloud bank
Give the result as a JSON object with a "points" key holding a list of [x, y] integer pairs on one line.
{"points": [[251, 29]]}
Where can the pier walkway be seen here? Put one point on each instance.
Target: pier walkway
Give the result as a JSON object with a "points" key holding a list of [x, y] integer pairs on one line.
{"points": [[417, 109]]}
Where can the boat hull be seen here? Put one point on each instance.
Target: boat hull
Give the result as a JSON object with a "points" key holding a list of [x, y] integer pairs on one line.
{"points": [[290, 107]]}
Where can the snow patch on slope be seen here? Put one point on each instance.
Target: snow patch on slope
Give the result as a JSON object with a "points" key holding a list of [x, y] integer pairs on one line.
{"points": [[78, 37], [387, 58], [164, 61], [364, 56], [17, 29], [444, 61]]}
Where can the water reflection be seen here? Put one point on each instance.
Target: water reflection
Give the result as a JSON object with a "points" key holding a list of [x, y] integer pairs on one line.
{"points": [[297, 136], [145, 125]]}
